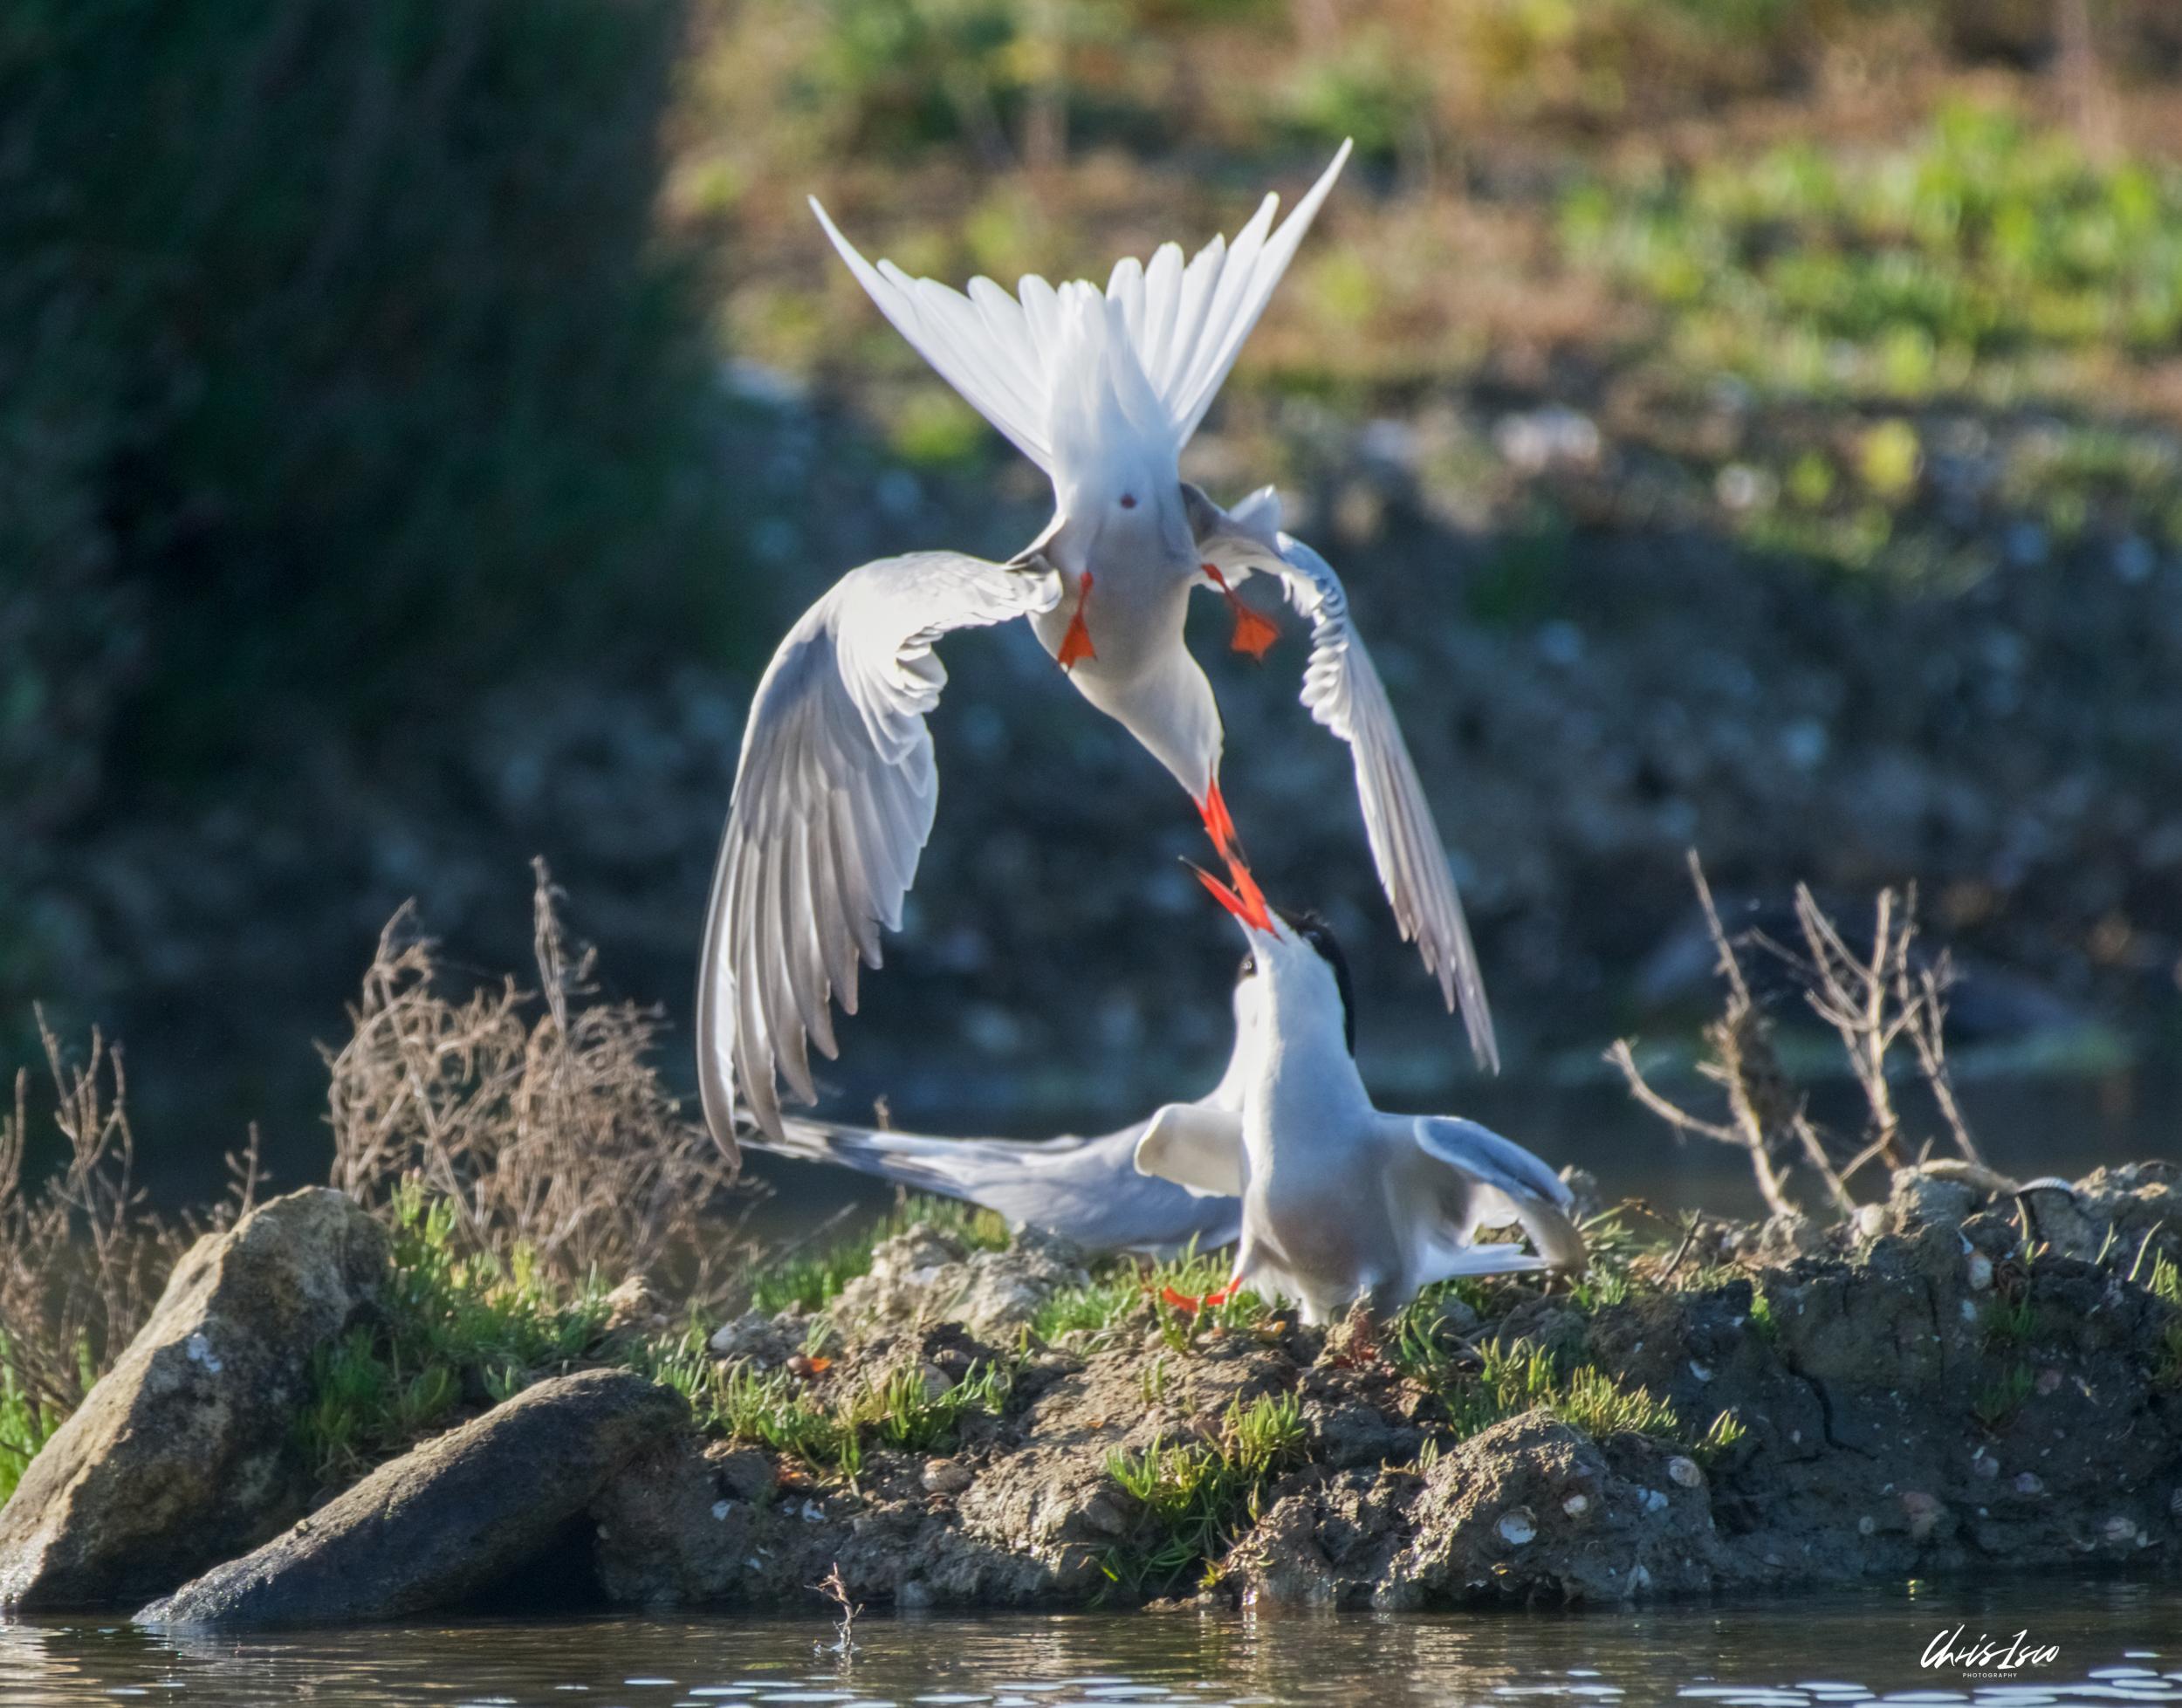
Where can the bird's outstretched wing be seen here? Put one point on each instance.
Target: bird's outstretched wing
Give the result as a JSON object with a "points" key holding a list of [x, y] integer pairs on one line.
{"points": [[834, 801], [1500, 1181], [1016, 362], [1343, 690], [1198, 1146]]}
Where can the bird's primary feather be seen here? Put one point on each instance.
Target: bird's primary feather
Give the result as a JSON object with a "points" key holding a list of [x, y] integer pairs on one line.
{"points": [[834, 802]]}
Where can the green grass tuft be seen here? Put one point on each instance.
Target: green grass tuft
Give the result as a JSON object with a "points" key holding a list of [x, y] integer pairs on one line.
{"points": [[1483, 1385], [812, 1280], [2008, 1323], [453, 1325], [2166, 1285], [1726, 1433], [826, 1424], [1995, 1406], [27, 1423], [1197, 1495]]}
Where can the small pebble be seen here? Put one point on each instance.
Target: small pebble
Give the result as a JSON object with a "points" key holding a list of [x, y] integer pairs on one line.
{"points": [[2048, 1381], [1866, 1525], [2028, 1483], [1985, 1467], [1686, 1471], [1576, 1505], [2120, 1528], [1871, 1220], [1517, 1527], [945, 1476], [1981, 1268]]}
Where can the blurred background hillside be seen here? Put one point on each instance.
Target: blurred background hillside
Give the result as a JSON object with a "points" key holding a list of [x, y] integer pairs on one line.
{"points": [[1745, 424]]}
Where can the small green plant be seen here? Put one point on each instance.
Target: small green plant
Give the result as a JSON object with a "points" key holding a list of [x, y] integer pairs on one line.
{"points": [[826, 1425], [1195, 1496], [1113, 1295], [1726, 1434], [1762, 1321], [1599, 1288], [1170, 1293], [2166, 1285], [27, 1422], [812, 1280], [1481, 1386], [1994, 1405], [2008, 1323], [451, 1323]]}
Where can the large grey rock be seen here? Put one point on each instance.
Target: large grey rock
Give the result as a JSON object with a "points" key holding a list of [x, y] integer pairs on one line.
{"points": [[180, 1455], [451, 1518]]}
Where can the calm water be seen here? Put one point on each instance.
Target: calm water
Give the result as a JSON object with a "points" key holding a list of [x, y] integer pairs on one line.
{"points": [[2117, 1642]]}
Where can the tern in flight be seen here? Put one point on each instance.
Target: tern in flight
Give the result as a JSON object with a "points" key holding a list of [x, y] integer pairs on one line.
{"points": [[835, 788], [1341, 1202]]}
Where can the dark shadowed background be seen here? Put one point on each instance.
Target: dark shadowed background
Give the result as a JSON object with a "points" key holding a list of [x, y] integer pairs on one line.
{"points": [[1743, 424]]}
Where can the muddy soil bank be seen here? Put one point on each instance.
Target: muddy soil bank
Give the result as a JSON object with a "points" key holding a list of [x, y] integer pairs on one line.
{"points": [[1976, 1374], [1973, 1375], [1933, 1392]]}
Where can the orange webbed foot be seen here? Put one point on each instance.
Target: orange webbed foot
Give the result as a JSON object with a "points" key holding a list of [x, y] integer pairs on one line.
{"points": [[1190, 1306], [1254, 632], [1075, 645]]}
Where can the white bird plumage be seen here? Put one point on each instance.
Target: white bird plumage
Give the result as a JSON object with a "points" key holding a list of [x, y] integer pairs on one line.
{"points": [[1087, 1191], [1100, 389], [1341, 1201]]}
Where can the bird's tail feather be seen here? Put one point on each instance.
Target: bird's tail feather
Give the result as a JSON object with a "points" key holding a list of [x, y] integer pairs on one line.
{"points": [[1026, 364]]}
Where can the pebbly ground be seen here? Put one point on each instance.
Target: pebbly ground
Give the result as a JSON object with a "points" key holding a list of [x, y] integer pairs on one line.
{"points": [[1977, 1374]]}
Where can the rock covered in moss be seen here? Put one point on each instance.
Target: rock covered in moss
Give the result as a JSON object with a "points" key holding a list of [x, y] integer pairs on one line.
{"points": [[448, 1520], [179, 1457]]}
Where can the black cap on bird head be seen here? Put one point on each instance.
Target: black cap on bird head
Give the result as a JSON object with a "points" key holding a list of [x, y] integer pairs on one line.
{"points": [[1317, 933]]}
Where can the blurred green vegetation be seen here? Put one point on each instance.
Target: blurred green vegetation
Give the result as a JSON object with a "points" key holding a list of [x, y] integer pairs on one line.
{"points": [[1982, 256], [346, 363], [363, 361]]}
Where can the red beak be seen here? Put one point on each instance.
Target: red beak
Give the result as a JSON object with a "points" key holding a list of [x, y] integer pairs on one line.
{"points": [[1246, 901]]}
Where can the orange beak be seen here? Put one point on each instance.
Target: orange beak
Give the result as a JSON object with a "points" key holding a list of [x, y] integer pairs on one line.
{"points": [[1246, 901]]}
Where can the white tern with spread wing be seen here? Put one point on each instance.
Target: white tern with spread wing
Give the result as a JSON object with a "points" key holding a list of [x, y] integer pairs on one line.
{"points": [[1087, 1191], [834, 794], [1341, 1202]]}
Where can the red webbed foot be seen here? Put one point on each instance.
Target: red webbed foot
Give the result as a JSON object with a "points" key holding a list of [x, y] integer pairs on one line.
{"points": [[1190, 1306], [1254, 632], [1075, 645]]}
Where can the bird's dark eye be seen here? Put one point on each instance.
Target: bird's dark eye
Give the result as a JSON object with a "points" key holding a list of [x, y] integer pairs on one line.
{"points": [[1248, 967], [1128, 501]]}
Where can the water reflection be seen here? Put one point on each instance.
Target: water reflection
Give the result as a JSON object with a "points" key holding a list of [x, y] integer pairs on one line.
{"points": [[2118, 1642]]}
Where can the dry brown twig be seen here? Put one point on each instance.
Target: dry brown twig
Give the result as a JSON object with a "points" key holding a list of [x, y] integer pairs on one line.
{"points": [[845, 1610], [82, 1255], [1873, 1002], [1768, 1120], [539, 1116]]}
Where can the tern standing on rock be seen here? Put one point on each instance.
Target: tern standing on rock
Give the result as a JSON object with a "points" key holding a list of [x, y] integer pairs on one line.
{"points": [[835, 789], [1341, 1202]]}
